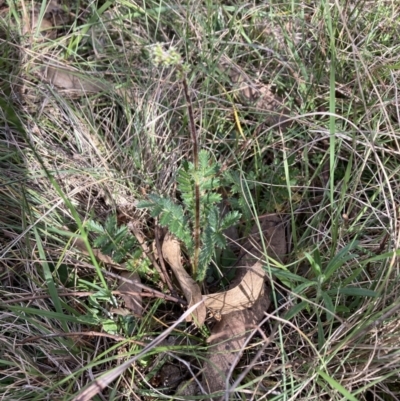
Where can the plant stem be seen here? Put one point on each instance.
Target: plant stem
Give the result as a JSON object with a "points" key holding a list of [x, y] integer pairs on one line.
{"points": [[195, 153]]}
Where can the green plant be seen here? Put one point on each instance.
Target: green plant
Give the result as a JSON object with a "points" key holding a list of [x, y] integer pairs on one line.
{"points": [[197, 222], [321, 288], [116, 241], [112, 240], [180, 217], [79, 151]]}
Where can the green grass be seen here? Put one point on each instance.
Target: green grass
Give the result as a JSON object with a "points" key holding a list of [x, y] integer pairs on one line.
{"points": [[69, 159]]}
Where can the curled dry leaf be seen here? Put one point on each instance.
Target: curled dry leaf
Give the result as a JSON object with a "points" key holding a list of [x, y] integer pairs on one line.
{"points": [[230, 333], [171, 251], [227, 339], [243, 296]]}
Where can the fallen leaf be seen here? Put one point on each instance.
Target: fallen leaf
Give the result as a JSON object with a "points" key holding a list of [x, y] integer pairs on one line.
{"points": [[243, 296], [171, 251], [257, 94], [132, 297], [230, 333], [227, 339], [68, 79]]}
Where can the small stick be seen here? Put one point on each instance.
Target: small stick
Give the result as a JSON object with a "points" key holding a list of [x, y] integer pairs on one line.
{"points": [[81, 334], [88, 294], [144, 287]]}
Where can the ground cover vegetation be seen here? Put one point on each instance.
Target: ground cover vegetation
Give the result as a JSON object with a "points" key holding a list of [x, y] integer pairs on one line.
{"points": [[152, 151]]}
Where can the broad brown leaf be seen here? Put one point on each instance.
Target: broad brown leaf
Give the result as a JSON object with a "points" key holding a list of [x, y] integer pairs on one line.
{"points": [[172, 254], [70, 80], [243, 296], [229, 334]]}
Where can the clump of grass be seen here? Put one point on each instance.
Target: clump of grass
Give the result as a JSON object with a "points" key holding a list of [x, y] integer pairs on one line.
{"points": [[66, 161]]}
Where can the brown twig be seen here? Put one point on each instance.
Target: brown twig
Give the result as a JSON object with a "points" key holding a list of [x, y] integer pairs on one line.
{"points": [[88, 294], [106, 259], [81, 334]]}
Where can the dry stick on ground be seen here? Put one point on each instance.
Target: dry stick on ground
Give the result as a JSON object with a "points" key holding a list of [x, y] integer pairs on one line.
{"points": [[82, 334], [155, 293], [32, 297]]}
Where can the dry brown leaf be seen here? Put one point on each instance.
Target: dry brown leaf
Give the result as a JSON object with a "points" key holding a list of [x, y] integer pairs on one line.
{"points": [[133, 302], [257, 94], [44, 26], [240, 297], [229, 335], [70, 80], [227, 339], [172, 254]]}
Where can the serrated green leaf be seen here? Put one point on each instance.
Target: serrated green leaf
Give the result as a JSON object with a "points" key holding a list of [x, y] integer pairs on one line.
{"points": [[185, 165], [100, 241], [208, 183], [119, 235], [220, 240], [210, 198], [206, 253], [144, 204], [230, 219], [95, 227], [111, 224], [213, 219], [204, 158], [156, 198], [118, 256]]}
